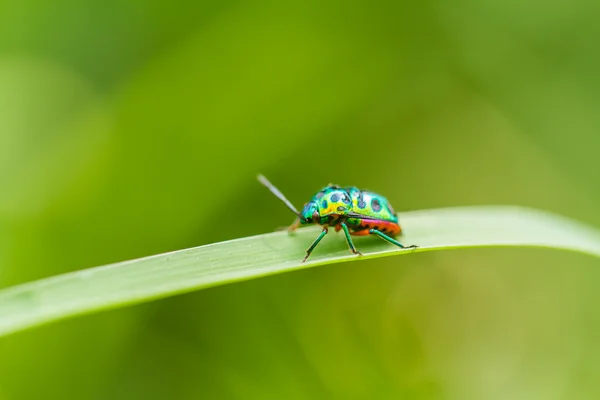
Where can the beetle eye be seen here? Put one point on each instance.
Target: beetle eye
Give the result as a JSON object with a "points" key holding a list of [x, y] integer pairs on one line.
{"points": [[315, 216]]}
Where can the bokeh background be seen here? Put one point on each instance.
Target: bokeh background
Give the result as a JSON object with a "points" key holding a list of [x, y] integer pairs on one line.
{"points": [[133, 128]]}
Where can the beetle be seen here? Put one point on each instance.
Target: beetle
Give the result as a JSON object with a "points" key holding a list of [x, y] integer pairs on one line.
{"points": [[357, 212]]}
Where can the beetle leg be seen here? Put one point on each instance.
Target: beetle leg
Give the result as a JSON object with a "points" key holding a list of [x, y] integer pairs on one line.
{"points": [[315, 243], [349, 240], [293, 226], [391, 240]]}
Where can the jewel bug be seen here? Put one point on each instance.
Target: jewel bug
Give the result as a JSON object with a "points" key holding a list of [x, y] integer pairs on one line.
{"points": [[357, 212]]}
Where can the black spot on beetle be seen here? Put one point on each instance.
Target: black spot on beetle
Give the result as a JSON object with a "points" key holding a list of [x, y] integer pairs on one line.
{"points": [[335, 197], [324, 203], [361, 204], [375, 205], [346, 199], [341, 208]]}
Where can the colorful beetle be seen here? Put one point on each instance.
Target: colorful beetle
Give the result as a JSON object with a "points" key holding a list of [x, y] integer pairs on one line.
{"points": [[356, 212]]}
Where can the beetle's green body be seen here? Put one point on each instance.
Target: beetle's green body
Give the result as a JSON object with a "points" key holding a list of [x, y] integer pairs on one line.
{"points": [[357, 212]]}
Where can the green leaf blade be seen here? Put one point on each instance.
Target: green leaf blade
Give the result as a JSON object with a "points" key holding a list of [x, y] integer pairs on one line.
{"points": [[131, 282]]}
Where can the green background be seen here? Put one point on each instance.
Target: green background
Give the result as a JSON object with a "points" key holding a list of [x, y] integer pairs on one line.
{"points": [[134, 128]]}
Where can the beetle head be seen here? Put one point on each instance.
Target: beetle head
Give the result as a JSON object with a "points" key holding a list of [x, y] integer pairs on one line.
{"points": [[310, 213]]}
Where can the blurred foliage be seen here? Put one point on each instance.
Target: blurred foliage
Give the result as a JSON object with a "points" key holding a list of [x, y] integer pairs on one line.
{"points": [[133, 128]]}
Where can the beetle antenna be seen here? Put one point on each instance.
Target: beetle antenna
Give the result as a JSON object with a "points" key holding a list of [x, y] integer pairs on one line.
{"points": [[278, 194]]}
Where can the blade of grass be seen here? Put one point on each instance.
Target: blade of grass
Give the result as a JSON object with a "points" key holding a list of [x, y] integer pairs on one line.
{"points": [[116, 285]]}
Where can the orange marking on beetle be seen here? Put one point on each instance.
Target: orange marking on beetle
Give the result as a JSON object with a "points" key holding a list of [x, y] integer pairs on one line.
{"points": [[364, 232], [390, 228]]}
